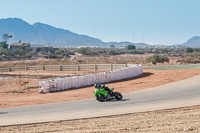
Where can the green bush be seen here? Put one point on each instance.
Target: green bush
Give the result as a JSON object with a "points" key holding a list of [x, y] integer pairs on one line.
{"points": [[157, 59], [3, 45], [83, 50], [129, 47], [189, 50]]}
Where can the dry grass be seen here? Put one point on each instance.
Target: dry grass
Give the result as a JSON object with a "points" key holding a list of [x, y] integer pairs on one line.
{"points": [[86, 59]]}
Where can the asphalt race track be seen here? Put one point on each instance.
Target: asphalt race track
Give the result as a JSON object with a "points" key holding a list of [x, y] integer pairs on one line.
{"points": [[173, 95]]}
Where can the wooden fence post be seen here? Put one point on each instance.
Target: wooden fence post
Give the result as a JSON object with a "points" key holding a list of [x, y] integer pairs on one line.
{"points": [[38, 77], [95, 67], [43, 68], [19, 81], [78, 67], [9, 69], [60, 67]]}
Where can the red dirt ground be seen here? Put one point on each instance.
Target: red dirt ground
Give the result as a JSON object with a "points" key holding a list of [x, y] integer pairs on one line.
{"points": [[150, 78]]}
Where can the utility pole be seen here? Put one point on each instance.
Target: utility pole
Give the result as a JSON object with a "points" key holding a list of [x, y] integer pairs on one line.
{"points": [[48, 52]]}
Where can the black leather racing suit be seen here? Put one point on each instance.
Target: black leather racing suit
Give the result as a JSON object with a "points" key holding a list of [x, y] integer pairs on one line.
{"points": [[106, 88]]}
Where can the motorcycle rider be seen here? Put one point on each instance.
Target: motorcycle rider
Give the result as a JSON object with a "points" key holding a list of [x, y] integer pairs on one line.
{"points": [[100, 86]]}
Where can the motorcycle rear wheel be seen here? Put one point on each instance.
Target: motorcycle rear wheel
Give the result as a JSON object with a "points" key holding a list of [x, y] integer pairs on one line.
{"points": [[118, 95], [100, 98]]}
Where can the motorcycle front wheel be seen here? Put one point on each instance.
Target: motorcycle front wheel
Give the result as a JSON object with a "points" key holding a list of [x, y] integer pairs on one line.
{"points": [[100, 98], [118, 96]]}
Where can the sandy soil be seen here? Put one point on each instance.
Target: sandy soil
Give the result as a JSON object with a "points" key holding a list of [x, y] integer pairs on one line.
{"points": [[181, 120], [13, 96]]}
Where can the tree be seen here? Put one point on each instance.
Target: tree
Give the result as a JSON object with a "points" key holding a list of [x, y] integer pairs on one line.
{"points": [[3, 45], [60, 52], [112, 46], [189, 50], [83, 50], [196, 50], [129, 47]]}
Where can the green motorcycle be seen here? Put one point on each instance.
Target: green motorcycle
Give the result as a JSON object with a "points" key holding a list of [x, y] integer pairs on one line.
{"points": [[103, 94]]}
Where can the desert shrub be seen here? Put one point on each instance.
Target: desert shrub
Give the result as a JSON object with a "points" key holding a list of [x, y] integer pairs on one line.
{"points": [[133, 51], [89, 51], [112, 52], [187, 60], [80, 61], [192, 59], [157, 59], [83, 51]]}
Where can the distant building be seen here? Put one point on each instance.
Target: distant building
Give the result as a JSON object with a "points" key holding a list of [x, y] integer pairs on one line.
{"points": [[124, 45], [87, 47], [16, 46], [41, 48], [37, 49]]}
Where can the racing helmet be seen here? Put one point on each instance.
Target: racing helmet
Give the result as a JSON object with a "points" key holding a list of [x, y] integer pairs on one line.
{"points": [[96, 85]]}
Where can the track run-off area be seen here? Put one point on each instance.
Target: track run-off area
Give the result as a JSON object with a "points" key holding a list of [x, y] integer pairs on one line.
{"points": [[173, 95]]}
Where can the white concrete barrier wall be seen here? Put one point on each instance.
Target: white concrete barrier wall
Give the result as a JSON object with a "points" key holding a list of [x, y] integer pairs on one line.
{"points": [[86, 80]]}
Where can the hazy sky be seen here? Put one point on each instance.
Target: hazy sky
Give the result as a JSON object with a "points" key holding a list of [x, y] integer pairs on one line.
{"points": [[159, 21]]}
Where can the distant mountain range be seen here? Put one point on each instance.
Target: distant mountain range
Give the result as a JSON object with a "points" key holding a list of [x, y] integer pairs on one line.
{"points": [[192, 42], [43, 34]]}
